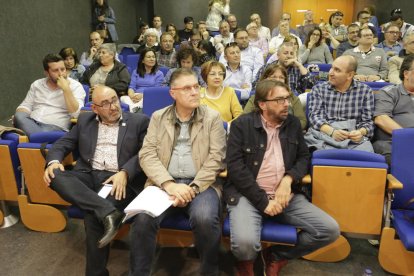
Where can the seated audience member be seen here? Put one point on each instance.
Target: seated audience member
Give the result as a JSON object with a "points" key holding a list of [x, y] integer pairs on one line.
{"points": [[263, 182], [150, 41], [74, 70], [372, 61], [352, 41], [285, 17], [394, 63], [146, 75], [217, 96], [340, 110], [277, 40], [96, 41], [157, 25], [336, 28], [315, 50], [363, 18], [167, 56], [139, 39], [278, 72], [255, 40], [195, 38], [251, 57], [307, 26], [217, 10], [263, 32], [186, 58], [224, 38], [107, 71], [238, 76], [170, 28], [390, 44], [298, 75], [51, 101], [185, 33], [373, 18], [394, 108], [108, 153], [206, 52], [231, 18], [202, 29], [405, 28], [294, 40], [183, 154]]}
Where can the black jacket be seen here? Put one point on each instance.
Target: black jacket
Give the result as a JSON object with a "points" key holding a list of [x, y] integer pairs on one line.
{"points": [[245, 151], [118, 78]]}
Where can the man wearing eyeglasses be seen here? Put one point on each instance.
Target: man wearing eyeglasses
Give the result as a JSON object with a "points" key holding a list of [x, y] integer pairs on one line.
{"points": [[390, 44], [340, 110], [266, 159], [107, 142], [183, 154], [352, 42]]}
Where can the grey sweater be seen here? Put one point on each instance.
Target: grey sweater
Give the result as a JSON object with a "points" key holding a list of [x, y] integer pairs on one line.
{"points": [[320, 54]]}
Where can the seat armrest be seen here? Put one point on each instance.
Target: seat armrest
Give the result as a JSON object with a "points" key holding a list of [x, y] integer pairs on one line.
{"points": [[394, 183], [307, 179], [223, 174]]}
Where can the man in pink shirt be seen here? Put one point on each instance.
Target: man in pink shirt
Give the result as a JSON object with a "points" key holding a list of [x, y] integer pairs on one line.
{"points": [[266, 159]]}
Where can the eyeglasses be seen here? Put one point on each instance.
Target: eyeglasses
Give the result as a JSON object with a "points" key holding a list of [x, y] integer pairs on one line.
{"points": [[214, 74], [393, 33], [280, 100], [187, 89], [367, 35], [366, 18], [108, 105]]}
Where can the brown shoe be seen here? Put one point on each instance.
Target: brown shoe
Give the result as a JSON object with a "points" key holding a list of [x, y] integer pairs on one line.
{"points": [[244, 268], [272, 267]]}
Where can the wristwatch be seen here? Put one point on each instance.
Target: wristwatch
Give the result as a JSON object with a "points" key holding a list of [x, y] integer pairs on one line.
{"points": [[195, 188]]}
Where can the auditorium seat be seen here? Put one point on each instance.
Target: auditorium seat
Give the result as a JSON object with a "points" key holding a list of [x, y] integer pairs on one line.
{"points": [[396, 252], [156, 98], [131, 62], [164, 70]]}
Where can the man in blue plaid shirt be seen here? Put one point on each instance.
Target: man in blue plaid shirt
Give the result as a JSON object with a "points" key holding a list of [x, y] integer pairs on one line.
{"points": [[341, 110]]}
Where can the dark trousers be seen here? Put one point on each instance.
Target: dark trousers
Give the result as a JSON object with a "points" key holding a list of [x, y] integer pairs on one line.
{"points": [[80, 189], [204, 216]]}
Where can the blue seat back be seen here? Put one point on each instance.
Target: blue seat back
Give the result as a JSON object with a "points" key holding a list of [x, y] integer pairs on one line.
{"points": [[164, 70], [402, 166], [131, 62], [348, 158], [11, 140], [377, 85], [156, 98]]}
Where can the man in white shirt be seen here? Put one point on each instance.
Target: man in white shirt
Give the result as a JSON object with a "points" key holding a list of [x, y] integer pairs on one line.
{"points": [[238, 76], [88, 57], [263, 31], [156, 24], [251, 57], [224, 37], [51, 101]]}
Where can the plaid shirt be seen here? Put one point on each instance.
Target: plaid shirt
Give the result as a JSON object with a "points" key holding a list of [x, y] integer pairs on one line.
{"points": [[168, 60], [326, 105]]}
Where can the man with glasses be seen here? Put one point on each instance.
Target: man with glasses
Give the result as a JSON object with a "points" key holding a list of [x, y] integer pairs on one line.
{"points": [[340, 110], [107, 142], [266, 160], [183, 154], [394, 63], [336, 28], [394, 108], [390, 44], [232, 20], [352, 41], [372, 61]]}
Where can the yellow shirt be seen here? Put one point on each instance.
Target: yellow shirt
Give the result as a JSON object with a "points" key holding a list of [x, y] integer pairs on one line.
{"points": [[226, 103]]}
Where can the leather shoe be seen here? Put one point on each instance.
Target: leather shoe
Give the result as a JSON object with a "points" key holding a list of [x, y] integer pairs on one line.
{"points": [[272, 266], [112, 223]]}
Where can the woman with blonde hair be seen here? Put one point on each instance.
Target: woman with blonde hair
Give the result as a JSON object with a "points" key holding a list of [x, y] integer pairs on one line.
{"points": [[217, 10]]}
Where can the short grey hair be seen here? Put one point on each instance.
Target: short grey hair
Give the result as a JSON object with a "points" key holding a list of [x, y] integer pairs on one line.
{"points": [[151, 31], [110, 47]]}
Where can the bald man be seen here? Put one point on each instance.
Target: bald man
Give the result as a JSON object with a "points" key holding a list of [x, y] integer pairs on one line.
{"points": [[341, 110], [108, 142]]}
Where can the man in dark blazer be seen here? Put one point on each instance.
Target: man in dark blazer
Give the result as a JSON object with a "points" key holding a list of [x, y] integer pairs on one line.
{"points": [[108, 142]]}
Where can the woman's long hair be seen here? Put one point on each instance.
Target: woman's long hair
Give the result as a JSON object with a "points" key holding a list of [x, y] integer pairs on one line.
{"points": [[141, 67]]}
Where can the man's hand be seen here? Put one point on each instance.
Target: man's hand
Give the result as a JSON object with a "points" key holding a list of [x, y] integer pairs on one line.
{"points": [[340, 135], [119, 182], [373, 78], [273, 208], [182, 192], [63, 83], [101, 18], [356, 136], [283, 191], [360, 78], [92, 51], [291, 61], [49, 175]]}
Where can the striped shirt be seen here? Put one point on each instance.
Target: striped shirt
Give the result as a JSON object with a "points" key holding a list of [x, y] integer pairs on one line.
{"points": [[327, 105]]}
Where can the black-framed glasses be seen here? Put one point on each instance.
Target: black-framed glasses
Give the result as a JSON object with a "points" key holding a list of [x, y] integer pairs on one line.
{"points": [[108, 105], [187, 89], [393, 33], [280, 100]]}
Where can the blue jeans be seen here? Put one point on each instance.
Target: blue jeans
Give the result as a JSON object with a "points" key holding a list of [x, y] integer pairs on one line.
{"points": [[204, 216], [23, 121], [317, 229]]}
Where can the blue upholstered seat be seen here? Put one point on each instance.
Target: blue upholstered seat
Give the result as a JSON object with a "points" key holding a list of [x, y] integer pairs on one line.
{"points": [[403, 222]]}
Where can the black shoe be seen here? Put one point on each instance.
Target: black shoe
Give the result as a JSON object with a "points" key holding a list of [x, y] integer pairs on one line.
{"points": [[112, 223]]}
